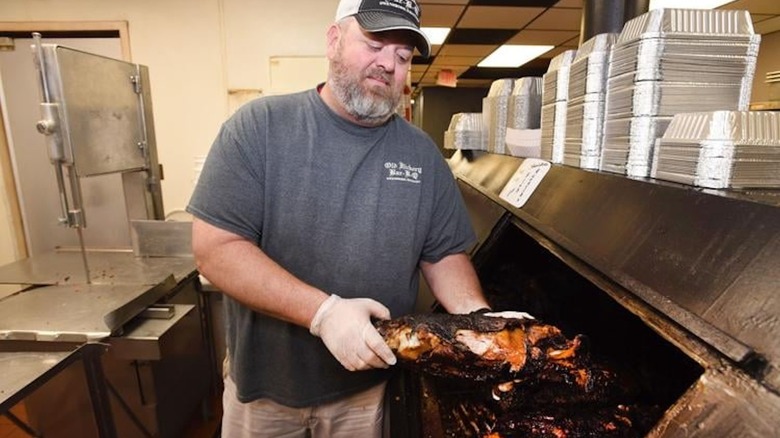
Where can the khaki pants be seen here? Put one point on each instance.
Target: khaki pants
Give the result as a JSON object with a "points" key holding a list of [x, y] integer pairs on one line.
{"points": [[359, 415]]}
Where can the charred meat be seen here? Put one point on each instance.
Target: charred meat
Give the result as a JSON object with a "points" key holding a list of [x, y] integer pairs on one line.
{"points": [[479, 348]]}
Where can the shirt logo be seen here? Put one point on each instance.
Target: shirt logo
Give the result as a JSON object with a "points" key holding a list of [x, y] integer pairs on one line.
{"points": [[401, 171]]}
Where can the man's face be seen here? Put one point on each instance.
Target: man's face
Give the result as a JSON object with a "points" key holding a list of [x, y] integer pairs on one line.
{"points": [[368, 71]]}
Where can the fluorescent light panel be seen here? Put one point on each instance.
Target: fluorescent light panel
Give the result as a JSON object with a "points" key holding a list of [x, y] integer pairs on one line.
{"points": [[513, 55], [436, 35], [697, 4]]}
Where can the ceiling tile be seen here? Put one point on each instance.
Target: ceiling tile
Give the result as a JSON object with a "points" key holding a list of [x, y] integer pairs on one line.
{"points": [[760, 17], [543, 37], [768, 26], [537, 67], [419, 60], [568, 4], [558, 19], [440, 15], [496, 17], [755, 6], [458, 60], [467, 50], [479, 36]]}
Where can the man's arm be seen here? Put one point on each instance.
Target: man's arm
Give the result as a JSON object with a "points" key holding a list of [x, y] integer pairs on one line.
{"points": [[243, 271], [455, 284]]}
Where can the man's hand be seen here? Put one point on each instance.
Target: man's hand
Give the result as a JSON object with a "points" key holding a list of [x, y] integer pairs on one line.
{"points": [[345, 327]]}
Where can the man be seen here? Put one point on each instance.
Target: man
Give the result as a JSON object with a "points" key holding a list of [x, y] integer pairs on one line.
{"points": [[314, 213]]}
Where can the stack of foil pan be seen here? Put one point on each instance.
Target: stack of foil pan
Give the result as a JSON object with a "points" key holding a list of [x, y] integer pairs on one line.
{"points": [[721, 149], [495, 109], [525, 104], [555, 94], [671, 61], [465, 132], [585, 107]]}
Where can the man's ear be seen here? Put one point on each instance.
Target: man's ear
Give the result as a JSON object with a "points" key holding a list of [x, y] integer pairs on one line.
{"points": [[332, 38]]}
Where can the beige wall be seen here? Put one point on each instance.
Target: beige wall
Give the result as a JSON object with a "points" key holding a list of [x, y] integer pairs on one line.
{"points": [[768, 60], [196, 50]]}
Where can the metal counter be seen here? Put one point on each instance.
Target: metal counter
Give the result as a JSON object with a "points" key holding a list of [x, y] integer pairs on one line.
{"points": [[112, 268]]}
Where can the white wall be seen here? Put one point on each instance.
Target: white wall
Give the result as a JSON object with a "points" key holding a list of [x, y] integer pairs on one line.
{"points": [[196, 50]]}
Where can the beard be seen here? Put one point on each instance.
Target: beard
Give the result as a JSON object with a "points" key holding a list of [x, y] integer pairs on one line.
{"points": [[369, 105]]}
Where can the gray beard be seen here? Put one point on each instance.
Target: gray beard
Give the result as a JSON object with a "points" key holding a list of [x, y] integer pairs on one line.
{"points": [[363, 105]]}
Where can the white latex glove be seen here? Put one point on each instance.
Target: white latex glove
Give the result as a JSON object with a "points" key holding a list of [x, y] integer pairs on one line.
{"points": [[345, 327], [510, 314]]}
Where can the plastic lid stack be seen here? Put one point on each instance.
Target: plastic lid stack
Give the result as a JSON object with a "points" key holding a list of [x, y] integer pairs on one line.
{"points": [[721, 149], [465, 132], [670, 61], [585, 107], [525, 104], [555, 94], [495, 108]]}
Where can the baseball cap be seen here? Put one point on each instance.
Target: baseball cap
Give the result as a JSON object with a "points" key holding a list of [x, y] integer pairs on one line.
{"points": [[381, 15]]}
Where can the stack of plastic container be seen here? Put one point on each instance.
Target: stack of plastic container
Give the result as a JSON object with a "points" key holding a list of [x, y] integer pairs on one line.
{"points": [[525, 104], [495, 109], [670, 61], [721, 149], [555, 94], [585, 108], [465, 132]]}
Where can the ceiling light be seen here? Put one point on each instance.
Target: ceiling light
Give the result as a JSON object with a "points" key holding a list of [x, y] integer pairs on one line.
{"points": [[436, 35], [698, 4], [513, 55]]}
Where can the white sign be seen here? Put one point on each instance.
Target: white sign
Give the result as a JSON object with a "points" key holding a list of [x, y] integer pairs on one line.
{"points": [[524, 181]]}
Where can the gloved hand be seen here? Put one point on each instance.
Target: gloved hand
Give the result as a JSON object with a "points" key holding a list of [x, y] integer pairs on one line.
{"points": [[510, 314], [345, 327]]}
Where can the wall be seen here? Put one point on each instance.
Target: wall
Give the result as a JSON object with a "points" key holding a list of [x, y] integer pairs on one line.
{"points": [[196, 50], [440, 103], [768, 60]]}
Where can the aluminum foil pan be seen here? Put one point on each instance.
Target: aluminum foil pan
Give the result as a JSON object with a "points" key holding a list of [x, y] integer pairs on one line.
{"points": [[584, 126], [553, 131], [561, 60], [628, 144], [600, 44], [739, 127], [466, 122], [494, 116], [687, 23], [473, 140], [465, 132], [555, 83], [525, 104], [673, 60], [590, 162], [725, 165], [588, 76], [653, 98], [501, 87], [721, 149]]}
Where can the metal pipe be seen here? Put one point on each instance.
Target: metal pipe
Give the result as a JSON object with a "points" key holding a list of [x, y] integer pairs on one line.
{"points": [[38, 50], [608, 16]]}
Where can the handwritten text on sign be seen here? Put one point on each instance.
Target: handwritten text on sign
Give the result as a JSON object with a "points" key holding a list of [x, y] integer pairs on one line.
{"points": [[524, 181]]}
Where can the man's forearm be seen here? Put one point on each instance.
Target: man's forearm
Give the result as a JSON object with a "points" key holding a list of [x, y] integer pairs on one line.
{"points": [[244, 272], [455, 284]]}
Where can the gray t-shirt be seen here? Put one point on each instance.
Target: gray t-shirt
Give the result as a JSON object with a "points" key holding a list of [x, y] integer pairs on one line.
{"points": [[348, 209]]}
